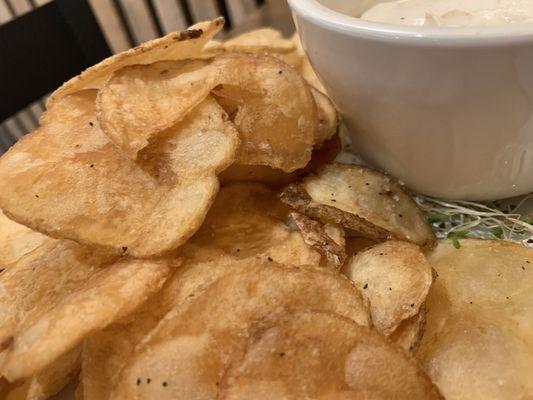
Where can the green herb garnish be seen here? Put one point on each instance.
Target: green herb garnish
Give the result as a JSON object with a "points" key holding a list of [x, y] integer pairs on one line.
{"points": [[455, 236], [435, 218], [497, 232]]}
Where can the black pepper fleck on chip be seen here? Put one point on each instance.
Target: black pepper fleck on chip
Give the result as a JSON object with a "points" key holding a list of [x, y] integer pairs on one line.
{"points": [[269, 258], [37, 195], [148, 380], [124, 248], [91, 124], [380, 254], [366, 286], [138, 381], [281, 354], [165, 384]]}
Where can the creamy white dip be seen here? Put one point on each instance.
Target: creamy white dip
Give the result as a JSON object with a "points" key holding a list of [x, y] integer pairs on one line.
{"points": [[451, 13]]}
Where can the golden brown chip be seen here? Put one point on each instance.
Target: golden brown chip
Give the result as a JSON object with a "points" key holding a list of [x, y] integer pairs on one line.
{"points": [[16, 241], [276, 114], [276, 178], [260, 40], [477, 358], [174, 46], [107, 352], [478, 342], [327, 117], [327, 239], [68, 180], [50, 380], [363, 200], [395, 277], [193, 344], [247, 220], [409, 333], [316, 355], [55, 296]]}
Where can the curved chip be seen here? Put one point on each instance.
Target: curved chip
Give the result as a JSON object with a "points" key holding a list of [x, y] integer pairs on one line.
{"points": [[276, 178], [247, 220], [477, 358], [107, 352], [327, 239], [52, 298], [479, 332], [68, 180], [49, 381], [395, 277], [410, 332], [16, 241], [316, 355], [328, 121], [363, 200], [275, 105], [196, 342], [260, 40], [174, 46]]}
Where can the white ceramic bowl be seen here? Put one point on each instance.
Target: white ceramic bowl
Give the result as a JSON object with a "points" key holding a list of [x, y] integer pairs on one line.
{"points": [[449, 111]]}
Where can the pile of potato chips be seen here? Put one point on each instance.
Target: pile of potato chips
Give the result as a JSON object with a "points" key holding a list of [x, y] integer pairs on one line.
{"points": [[177, 229]]}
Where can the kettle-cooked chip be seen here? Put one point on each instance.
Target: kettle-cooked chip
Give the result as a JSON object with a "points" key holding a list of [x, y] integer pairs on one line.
{"points": [[395, 277], [327, 117], [107, 352], [276, 178], [276, 114], [363, 200], [260, 40], [16, 241], [55, 296], [192, 345], [47, 382], [328, 239], [316, 355], [174, 46], [409, 333], [247, 220], [68, 180], [478, 342]]}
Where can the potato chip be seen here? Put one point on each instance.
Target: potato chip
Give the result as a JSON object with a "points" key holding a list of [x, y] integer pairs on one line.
{"points": [[327, 239], [327, 117], [247, 220], [53, 297], [16, 241], [193, 344], [174, 46], [478, 341], [409, 333], [315, 355], [476, 358], [260, 40], [305, 67], [50, 380], [363, 200], [276, 178], [107, 352], [275, 108], [395, 277], [79, 186]]}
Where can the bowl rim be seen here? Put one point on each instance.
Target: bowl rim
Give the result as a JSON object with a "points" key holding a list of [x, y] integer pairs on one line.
{"points": [[319, 14]]}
